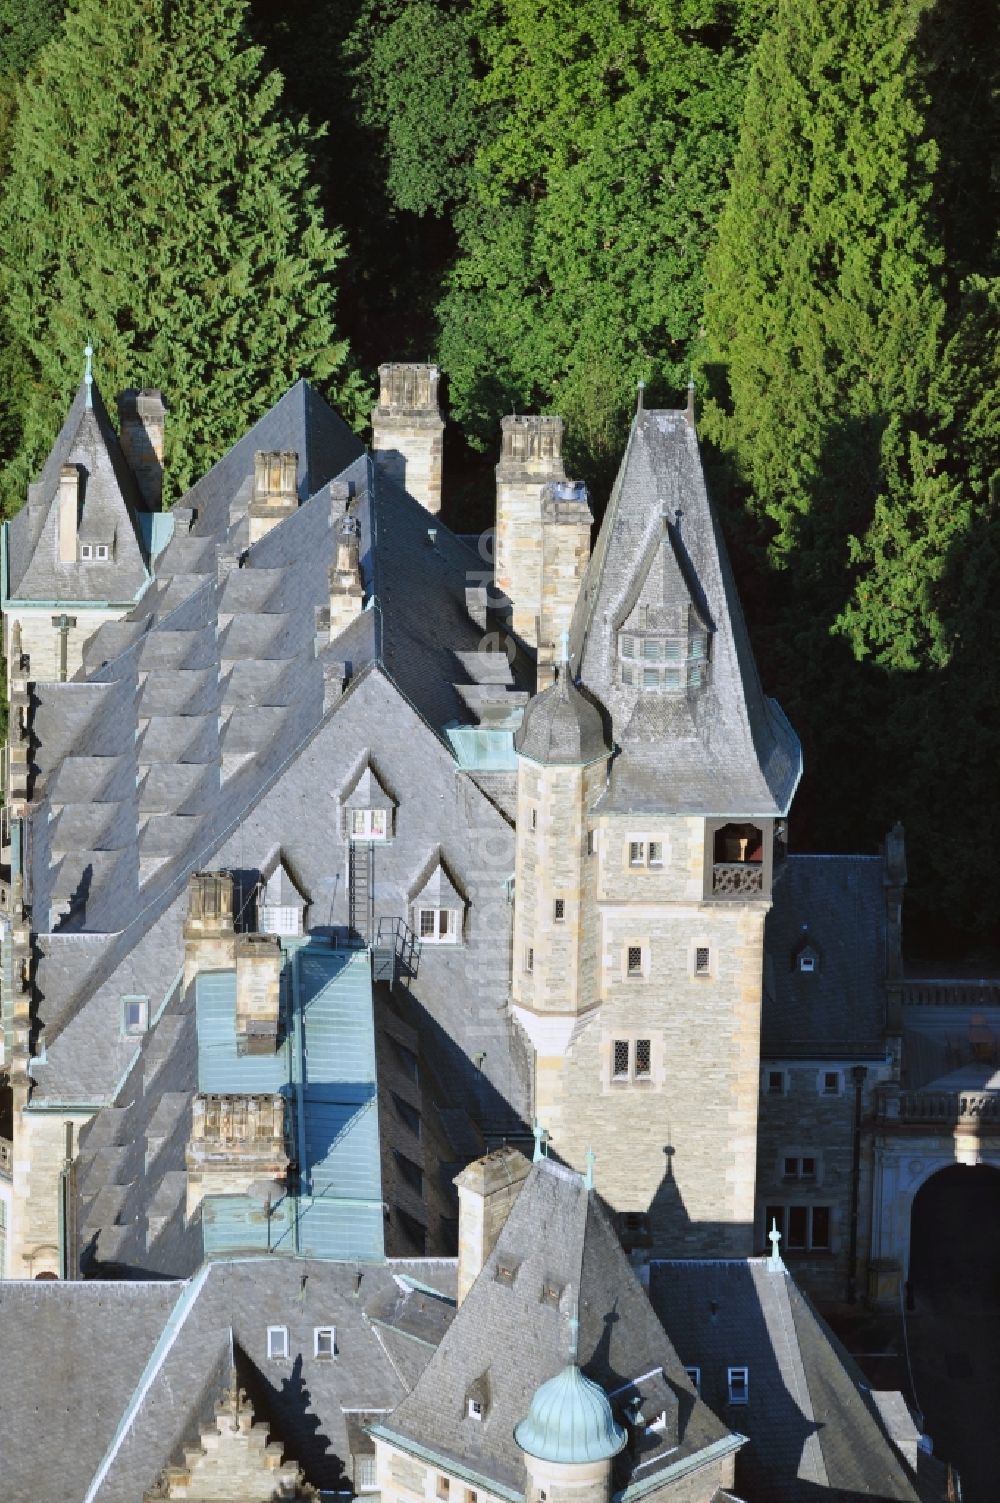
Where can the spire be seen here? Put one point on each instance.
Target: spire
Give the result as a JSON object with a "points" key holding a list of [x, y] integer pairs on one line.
{"points": [[573, 1325], [564, 650], [774, 1263], [591, 1160], [88, 372], [689, 409], [541, 1138], [639, 407]]}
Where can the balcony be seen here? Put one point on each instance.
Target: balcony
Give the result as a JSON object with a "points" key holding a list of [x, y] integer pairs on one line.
{"points": [[737, 879], [969, 1109]]}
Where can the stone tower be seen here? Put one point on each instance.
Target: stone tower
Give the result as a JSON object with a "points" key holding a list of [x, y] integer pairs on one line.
{"points": [[408, 431], [645, 863]]}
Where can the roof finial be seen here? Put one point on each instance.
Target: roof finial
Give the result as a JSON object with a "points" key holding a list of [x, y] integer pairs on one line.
{"points": [[591, 1159], [574, 1332], [642, 388], [541, 1137], [564, 648], [88, 372], [774, 1263], [689, 409]]}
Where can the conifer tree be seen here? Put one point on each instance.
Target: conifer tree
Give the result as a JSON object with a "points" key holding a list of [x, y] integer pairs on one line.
{"points": [[159, 204]]}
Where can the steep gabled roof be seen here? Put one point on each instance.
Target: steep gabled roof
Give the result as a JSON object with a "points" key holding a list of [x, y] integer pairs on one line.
{"points": [[560, 1254], [721, 749], [108, 513]]}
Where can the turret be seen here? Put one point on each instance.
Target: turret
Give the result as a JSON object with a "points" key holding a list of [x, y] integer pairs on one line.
{"points": [[569, 1438], [562, 758]]}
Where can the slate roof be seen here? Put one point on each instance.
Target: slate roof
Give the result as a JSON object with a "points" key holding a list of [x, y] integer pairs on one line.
{"points": [[510, 1337], [562, 726], [117, 1376], [836, 905], [108, 513], [814, 1427], [724, 749]]}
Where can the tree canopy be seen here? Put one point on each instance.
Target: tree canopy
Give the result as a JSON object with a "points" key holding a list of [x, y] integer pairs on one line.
{"points": [[160, 204]]}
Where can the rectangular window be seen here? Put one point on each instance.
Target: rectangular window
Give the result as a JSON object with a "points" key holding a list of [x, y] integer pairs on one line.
{"points": [[651, 649], [86, 552], [798, 1228], [443, 1487], [365, 1474], [694, 1373], [277, 1343], [650, 678], [634, 960], [475, 1410], [408, 1114], [427, 923], [410, 1171], [807, 1168], [272, 919], [656, 853], [637, 853], [135, 1014], [791, 1169], [820, 1229], [619, 1063], [534, 819], [325, 1342], [369, 824], [628, 647], [701, 961], [643, 617], [807, 963], [529, 961], [560, 910], [831, 1082], [673, 650], [775, 1082], [102, 551], [739, 1385], [643, 1059], [591, 842]]}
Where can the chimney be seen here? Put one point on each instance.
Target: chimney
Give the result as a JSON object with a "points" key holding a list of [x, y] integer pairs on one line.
{"points": [[347, 593], [487, 1189], [209, 931], [69, 512], [408, 431], [142, 421], [275, 496], [566, 526], [530, 460]]}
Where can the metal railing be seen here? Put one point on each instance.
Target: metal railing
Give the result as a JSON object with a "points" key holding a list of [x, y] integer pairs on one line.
{"points": [[970, 994]]}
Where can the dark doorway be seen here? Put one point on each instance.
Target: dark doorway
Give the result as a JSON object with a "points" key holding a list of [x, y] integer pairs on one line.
{"points": [[954, 1329]]}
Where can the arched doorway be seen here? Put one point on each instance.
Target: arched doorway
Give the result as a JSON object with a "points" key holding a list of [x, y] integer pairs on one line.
{"points": [[954, 1328]]}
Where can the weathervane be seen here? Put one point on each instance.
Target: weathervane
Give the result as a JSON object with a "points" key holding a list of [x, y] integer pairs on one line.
{"points": [[774, 1264], [88, 371]]}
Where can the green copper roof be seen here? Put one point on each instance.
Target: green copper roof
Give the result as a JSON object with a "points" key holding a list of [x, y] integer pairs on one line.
{"points": [[570, 1421]]}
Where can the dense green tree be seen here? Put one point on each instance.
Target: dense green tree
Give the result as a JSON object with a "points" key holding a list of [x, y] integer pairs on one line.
{"points": [[580, 150], [159, 203]]}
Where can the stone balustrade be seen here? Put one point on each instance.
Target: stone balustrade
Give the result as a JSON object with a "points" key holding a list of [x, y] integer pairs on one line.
{"points": [[945, 1108]]}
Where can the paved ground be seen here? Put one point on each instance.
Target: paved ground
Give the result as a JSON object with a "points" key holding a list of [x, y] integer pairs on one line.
{"points": [[953, 1330]]}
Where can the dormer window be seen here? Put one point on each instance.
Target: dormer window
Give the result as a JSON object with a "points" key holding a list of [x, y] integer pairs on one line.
{"points": [[807, 962], [739, 1385], [438, 926], [369, 824], [658, 660], [95, 553]]}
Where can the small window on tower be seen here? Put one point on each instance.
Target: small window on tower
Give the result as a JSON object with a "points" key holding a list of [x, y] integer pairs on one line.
{"points": [[560, 910], [634, 960], [529, 961], [591, 842], [534, 819], [702, 961], [643, 1059], [619, 1062]]}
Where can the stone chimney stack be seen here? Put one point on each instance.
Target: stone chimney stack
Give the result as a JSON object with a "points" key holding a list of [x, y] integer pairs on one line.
{"points": [[209, 930], [530, 460], [408, 431], [69, 512], [566, 526], [275, 496], [487, 1189], [142, 421], [347, 593]]}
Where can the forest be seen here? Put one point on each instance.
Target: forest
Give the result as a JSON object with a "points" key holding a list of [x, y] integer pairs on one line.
{"points": [[792, 202]]}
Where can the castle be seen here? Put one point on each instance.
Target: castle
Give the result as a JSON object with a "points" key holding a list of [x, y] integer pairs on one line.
{"points": [[340, 849]]}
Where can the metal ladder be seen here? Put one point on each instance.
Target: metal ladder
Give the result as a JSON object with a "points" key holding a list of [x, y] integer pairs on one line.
{"points": [[361, 885]]}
